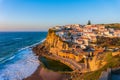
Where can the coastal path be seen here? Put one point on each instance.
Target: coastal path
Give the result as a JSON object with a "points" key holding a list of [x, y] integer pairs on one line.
{"points": [[77, 67]]}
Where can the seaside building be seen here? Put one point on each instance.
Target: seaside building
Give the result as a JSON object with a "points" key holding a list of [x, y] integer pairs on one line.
{"points": [[78, 38]]}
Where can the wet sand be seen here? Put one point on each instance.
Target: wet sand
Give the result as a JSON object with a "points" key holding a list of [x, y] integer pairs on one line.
{"points": [[43, 74]]}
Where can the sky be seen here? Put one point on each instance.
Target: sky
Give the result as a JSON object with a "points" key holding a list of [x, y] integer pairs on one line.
{"points": [[40, 15]]}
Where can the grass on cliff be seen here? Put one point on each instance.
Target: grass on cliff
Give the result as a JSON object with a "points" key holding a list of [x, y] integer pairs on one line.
{"points": [[114, 25], [112, 62], [54, 65]]}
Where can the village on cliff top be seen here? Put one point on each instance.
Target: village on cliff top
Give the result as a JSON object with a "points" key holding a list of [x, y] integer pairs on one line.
{"points": [[84, 48], [76, 42], [83, 34]]}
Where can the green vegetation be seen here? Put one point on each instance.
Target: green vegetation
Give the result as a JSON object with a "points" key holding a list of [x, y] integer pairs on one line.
{"points": [[114, 25], [89, 22], [69, 34], [54, 65], [107, 41], [92, 75], [112, 62]]}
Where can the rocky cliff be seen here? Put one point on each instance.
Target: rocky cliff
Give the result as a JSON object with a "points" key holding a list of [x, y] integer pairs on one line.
{"points": [[54, 44], [97, 62], [54, 41], [51, 44]]}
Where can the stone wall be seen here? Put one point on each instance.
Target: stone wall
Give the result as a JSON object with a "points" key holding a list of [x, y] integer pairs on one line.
{"points": [[106, 75]]}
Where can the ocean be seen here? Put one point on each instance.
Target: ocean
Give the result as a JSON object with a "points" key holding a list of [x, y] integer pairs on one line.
{"points": [[17, 61]]}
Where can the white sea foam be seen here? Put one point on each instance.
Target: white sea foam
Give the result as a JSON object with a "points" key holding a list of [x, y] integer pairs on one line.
{"points": [[38, 43], [17, 38], [22, 66], [32, 45]]}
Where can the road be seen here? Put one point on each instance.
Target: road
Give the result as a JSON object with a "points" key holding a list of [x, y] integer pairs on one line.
{"points": [[73, 64]]}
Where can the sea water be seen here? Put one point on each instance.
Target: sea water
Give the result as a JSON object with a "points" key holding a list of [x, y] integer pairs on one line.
{"points": [[17, 61]]}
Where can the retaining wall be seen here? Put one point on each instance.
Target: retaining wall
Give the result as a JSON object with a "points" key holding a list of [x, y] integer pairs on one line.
{"points": [[106, 75]]}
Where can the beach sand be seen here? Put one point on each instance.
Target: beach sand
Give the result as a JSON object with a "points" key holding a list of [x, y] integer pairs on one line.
{"points": [[43, 74]]}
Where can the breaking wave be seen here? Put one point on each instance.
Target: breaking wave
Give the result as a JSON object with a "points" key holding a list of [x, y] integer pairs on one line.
{"points": [[19, 66]]}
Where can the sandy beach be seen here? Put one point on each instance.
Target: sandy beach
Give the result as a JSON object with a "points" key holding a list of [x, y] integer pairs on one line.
{"points": [[43, 74]]}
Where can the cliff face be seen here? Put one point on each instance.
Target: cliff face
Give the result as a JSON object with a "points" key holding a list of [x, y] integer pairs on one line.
{"points": [[54, 44], [96, 63], [54, 41]]}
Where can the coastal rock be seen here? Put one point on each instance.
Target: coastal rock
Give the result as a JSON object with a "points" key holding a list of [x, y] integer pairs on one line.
{"points": [[55, 45], [54, 41]]}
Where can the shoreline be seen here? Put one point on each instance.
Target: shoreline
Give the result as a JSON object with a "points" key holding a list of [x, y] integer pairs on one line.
{"points": [[42, 73], [35, 75]]}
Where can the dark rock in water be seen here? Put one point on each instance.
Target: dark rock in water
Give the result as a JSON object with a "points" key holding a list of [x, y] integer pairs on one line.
{"points": [[40, 49]]}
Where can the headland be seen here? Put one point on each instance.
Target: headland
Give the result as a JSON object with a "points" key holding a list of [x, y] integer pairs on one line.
{"points": [[86, 49]]}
